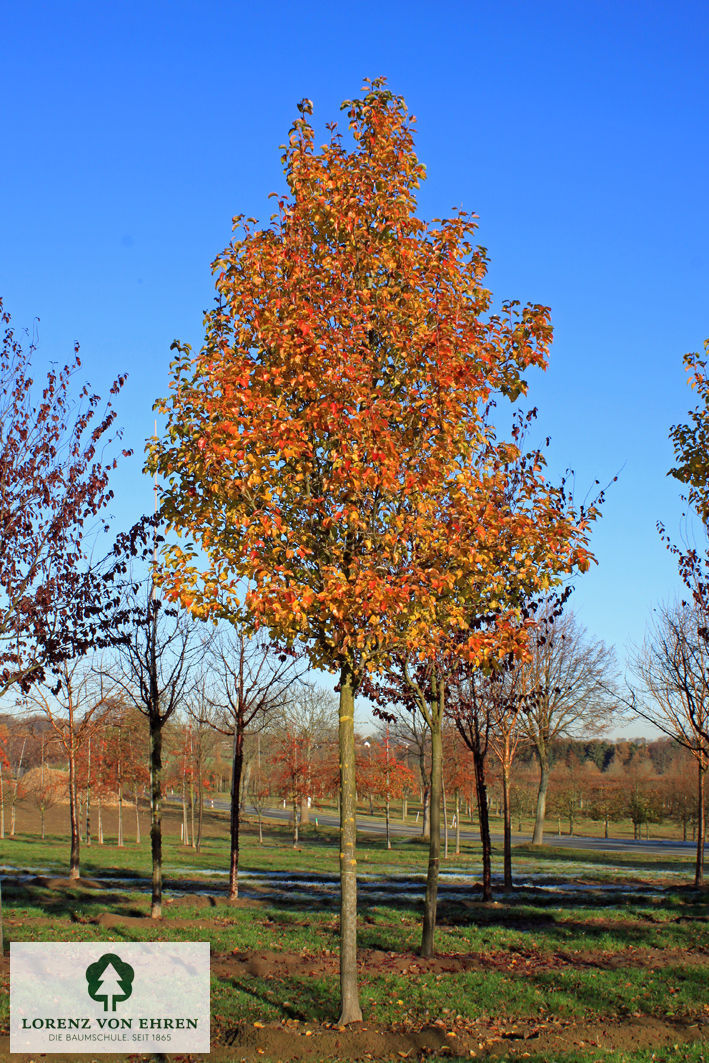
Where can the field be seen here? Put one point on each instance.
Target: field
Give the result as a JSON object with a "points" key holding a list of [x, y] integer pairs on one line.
{"points": [[592, 956]]}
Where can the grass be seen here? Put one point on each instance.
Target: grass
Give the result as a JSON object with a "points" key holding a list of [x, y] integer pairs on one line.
{"points": [[564, 961]]}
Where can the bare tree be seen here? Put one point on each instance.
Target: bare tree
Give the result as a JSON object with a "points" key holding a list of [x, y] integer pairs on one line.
{"points": [[44, 784], [409, 731], [507, 710], [304, 736], [250, 680], [569, 684], [673, 671], [474, 706], [155, 675], [73, 706]]}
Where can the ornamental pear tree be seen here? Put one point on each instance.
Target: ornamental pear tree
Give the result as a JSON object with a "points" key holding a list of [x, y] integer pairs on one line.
{"points": [[691, 441], [327, 455], [55, 467]]}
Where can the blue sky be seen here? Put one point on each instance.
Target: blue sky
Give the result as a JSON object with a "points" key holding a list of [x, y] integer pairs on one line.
{"points": [[132, 132]]}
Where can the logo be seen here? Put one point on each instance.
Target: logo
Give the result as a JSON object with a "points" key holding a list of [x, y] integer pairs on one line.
{"points": [[148, 997], [110, 980]]}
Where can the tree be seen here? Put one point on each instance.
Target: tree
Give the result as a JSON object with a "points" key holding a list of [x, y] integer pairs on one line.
{"points": [[73, 705], [471, 706], [458, 775], [54, 488], [303, 735], [407, 728], [606, 799], [325, 443], [251, 678], [384, 775], [126, 756], [154, 674], [691, 441], [691, 447], [507, 710], [673, 670], [569, 685]]}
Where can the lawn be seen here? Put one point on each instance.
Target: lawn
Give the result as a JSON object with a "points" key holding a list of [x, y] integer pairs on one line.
{"points": [[592, 956]]}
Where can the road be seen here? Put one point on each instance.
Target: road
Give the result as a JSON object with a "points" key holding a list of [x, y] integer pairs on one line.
{"points": [[371, 825]]}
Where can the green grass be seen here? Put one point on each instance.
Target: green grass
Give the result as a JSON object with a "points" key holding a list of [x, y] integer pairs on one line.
{"points": [[533, 956]]}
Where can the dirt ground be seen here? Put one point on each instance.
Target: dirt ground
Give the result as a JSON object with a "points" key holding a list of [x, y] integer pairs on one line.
{"points": [[490, 1039], [469, 1038]]}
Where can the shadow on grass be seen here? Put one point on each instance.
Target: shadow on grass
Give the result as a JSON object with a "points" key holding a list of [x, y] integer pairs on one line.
{"points": [[604, 858]]}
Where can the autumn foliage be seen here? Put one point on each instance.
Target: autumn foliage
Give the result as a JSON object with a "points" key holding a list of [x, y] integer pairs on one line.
{"points": [[329, 447]]}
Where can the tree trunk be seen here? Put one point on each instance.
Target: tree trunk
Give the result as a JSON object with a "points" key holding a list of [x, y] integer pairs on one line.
{"points": [[507, 815], [120, 816], [701, 824], [156, 814], [200, 812], [88, 795], [237, 765], [192, 809], [137, 817], [99, 819], [404, 806], [457, 823], [295, 821], [351, 1011], [538, 836], [426, 814], [185, 827], [2, 804], [434, 845], [387, 822], [445, 814], [14, 789], [484, 820], [73, 812]]}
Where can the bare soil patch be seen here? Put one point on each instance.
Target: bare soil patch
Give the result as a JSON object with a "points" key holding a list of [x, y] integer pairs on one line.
{"points": [[311, 1042]]}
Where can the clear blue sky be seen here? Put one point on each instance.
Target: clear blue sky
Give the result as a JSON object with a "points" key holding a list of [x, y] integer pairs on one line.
{"points": [[577, 131]]}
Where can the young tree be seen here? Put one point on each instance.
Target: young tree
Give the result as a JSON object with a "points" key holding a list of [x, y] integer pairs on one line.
{"points": [[293, 775], [259, 790], [458, 775], [569, 685], [384, 775], [73, 707], [606, 799], [408, 729], [250, 681], [155, 676], [43, 784], [507, 709], [325, 443], [471, 705], [126, 755], [673, 669], [54, 488]]}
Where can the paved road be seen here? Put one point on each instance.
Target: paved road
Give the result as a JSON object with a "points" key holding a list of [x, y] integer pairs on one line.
{"points": [[369, 825]]}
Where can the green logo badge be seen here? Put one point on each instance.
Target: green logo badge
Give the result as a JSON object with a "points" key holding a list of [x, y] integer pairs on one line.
{"points": [[110, 980]]}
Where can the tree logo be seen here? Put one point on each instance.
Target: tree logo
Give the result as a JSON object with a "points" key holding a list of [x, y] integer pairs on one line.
{"points": [[110, 980]]}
